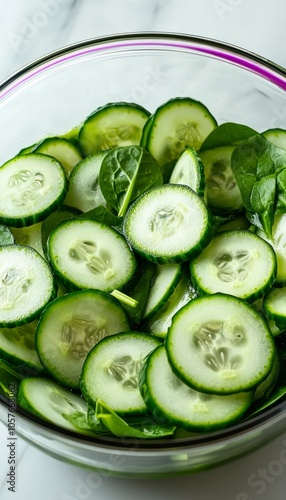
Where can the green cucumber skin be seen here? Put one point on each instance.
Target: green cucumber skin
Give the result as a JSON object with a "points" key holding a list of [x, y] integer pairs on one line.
{"points": [[84, 385], [24, 366], [174, 259], [179, 101], [179, 258], [33, 316], [86, 150], [201, 388], [252, 297], [29, 220], [36, 314], [166, 296], [42, 325], [164, 417], [70, 285], [157, 413]]}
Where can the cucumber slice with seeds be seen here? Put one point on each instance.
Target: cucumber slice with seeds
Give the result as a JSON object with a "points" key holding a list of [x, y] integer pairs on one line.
{"points": [[32, 186], [169, 399], [112, 125], [88, 254], [178, 124], [211, 342], [168, 224], [222, 192], [70, 326], [26, 285], [237, 263], [111, 371]]}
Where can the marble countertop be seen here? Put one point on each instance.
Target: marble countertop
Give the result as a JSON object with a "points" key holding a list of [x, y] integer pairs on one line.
{"points": [[32, 28]]}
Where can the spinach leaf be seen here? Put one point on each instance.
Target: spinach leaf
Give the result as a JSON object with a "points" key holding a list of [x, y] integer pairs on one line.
{"points": [[258, 167], [227, 134], [102, 214], [262, 200], [281, 192], [140, 427], [125, 173], [80, 421]]}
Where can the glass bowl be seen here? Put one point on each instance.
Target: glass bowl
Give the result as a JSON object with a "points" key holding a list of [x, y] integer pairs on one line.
{"points": [[56, 93]]}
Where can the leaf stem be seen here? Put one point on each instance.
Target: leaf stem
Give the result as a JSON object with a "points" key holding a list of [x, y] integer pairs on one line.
{"points": [[125, 299]]}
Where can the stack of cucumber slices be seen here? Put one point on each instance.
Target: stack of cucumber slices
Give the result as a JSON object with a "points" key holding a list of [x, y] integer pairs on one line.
{"points": [[143, 272]]}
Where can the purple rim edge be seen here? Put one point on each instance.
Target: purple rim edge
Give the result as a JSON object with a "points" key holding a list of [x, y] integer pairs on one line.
{"points": [[249, 64]]}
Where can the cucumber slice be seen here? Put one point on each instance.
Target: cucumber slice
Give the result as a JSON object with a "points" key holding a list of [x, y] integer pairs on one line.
{"points": [[6, 236], [51, 402], [111, 371], [159, 324], [87, 254], [112, 125], [222, 191], [230, 223], [84, 191], [237, 263], [189, 170], [70, 326], [165, 281], [277, 136], [169, 399], [278, 242], [179, 123], [211, 341], [264, 390], [274, 305], [32, 186], [145, 131], [62, 150], [53, 220], [30, 236], [17, 346], [168, 224], [26, 285]]}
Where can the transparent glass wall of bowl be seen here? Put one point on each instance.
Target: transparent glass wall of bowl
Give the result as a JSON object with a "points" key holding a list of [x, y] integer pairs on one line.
{"points": [[55, 98], [52, 98], [131, 461]]}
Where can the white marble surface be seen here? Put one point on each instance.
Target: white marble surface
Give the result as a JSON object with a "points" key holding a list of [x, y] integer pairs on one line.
{"points": [[31, 28]]}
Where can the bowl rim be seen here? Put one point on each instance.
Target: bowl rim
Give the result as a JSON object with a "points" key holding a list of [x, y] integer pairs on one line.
{"points": [[204, 45], [178, 41]]}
